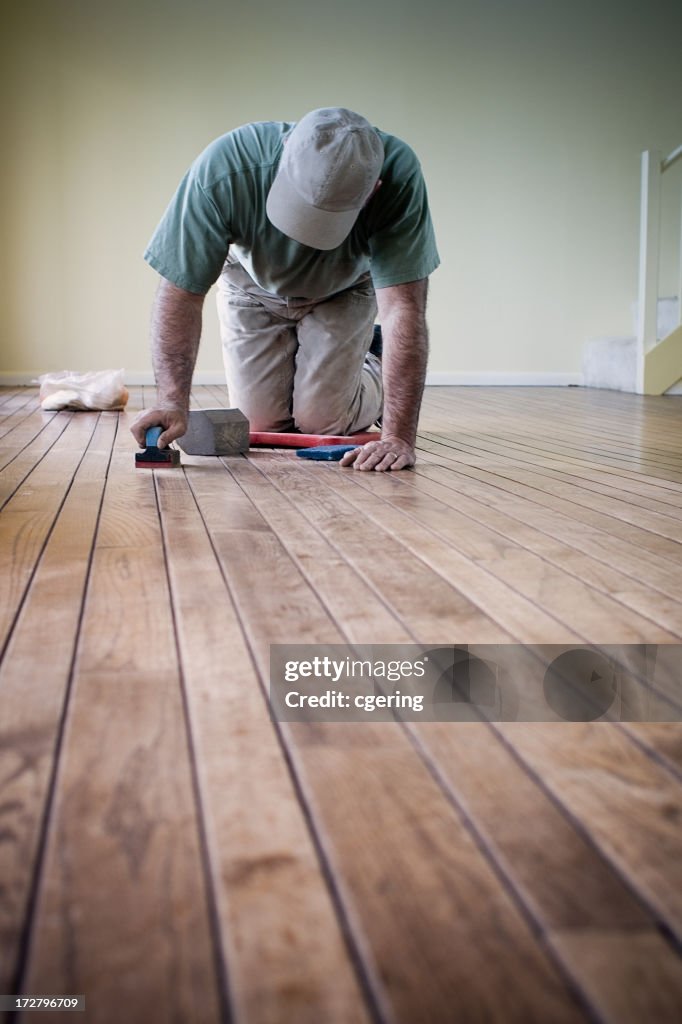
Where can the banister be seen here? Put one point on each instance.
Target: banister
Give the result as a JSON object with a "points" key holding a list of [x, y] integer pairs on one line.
{"points": [[649, 352], [671, 159]]}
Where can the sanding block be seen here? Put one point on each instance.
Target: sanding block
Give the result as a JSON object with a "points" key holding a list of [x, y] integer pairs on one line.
{"points": [[215, 432], [154, 457]]}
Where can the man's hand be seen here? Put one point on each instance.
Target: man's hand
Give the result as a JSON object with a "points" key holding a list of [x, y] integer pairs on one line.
{"points": [[174, 422], [389, 453]]}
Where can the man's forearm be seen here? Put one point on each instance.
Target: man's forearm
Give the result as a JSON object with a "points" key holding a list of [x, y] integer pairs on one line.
{"points": [[405, 355], [175, 336]]}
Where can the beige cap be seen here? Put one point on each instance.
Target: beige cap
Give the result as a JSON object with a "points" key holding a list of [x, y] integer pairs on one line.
{"points": [[331, 162]]}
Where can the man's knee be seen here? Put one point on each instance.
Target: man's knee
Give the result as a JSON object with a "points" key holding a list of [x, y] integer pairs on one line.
{"points": [[264, 418], [318, 422]]}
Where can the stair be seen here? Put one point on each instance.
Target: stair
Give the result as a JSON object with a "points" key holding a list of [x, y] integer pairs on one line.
{"points": [[611, 363]]}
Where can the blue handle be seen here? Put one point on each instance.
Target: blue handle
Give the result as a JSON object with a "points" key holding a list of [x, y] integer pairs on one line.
{"points": [[152, 436], [326, 452]]}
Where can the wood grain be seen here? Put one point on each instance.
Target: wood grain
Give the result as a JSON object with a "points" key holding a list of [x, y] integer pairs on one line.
{"points": [[403, 859], [520, 504], [286, 952], [403, 574], [28, 517], [628, 804], [33, 692], [632, 977], [122, 911], [16, 411]]}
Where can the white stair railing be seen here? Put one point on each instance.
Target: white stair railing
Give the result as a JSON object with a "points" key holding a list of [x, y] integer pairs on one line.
{"points": [[653, 168]]}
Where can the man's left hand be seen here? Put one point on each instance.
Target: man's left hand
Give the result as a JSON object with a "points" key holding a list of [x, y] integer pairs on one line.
{"points": [[389, 453]]}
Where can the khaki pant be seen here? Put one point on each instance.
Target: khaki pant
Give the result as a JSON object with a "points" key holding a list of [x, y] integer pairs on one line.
{"points": [[299, 364]]}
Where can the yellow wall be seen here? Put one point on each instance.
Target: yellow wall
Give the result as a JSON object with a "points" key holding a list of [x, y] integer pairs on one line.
{"points": [[528, 116]]}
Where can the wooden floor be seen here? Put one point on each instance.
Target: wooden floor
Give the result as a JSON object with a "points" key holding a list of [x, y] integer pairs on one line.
{"points": [[170, 852]]}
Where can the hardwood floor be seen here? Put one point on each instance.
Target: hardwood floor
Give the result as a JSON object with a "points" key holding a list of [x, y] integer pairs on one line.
{"points": [[170, 851]]}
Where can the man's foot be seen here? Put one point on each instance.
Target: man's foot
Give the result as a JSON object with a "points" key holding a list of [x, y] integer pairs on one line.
{"points": [[377, 347]]}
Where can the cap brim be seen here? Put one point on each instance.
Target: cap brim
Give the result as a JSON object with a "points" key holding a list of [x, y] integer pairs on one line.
{"points": [[319, 229]]}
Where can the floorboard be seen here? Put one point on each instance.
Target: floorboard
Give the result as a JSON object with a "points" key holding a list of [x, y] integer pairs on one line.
{"points": [[173, 852]]}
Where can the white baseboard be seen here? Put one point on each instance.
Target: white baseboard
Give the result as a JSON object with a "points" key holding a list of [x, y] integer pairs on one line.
{"points": [[496, 380], [17, 380], [542, 380]]}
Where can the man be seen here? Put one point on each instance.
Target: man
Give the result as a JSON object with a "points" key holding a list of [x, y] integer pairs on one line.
{"points": [[310, 228]]}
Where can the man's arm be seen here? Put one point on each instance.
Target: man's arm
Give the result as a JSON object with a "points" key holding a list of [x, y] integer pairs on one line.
{"points": [[175, 335], [402, 310]]}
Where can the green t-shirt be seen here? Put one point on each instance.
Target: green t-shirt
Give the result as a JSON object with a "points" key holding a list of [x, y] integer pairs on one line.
{"points": [[220, 204]]}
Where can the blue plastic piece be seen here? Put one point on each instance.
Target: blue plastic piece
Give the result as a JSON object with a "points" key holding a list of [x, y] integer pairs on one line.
{"points": [[326, 452], [152, 435]]}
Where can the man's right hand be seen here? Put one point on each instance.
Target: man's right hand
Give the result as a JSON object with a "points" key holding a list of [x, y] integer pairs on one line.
{"points": [[174, 422]]}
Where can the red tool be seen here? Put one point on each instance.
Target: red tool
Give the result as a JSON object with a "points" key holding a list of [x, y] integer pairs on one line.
{"points": [[267, 439]]}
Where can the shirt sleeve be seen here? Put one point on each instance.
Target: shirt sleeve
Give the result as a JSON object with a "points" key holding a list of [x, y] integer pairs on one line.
{"points": [[402, 242], [190, 243]]}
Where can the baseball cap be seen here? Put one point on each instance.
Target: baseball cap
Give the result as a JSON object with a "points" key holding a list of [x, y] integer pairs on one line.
{"points": [[330, 163]]}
